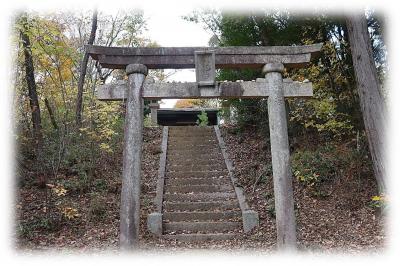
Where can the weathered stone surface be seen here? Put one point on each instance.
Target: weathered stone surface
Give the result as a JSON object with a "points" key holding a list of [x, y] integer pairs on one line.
{"points": [[183, 57], [204, 196], [132, 155], [201, 215], [161, 171], [136, 68], [250, 220], [196, 174], [154, 223], [199, 188], [202, 203], [193, 167], [190, 90], [202, 237], [205, 67], [95, 51], [282, 177], [154, 106], [195, 181], [221, 61], [273, 67], [208, 227]]}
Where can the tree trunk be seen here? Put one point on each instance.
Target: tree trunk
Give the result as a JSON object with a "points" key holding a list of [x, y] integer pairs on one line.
{"points": [[51, 114], [33, 97], [83, 69], [371, 100]]}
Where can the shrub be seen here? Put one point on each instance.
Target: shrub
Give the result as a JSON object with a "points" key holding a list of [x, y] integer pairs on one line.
{"points": [[98, 208], [76, 184], [203, 119], [378, 202], [314, 167], [235, 130], [147, 121], [27, 229], [100, 184], [271, 211]]}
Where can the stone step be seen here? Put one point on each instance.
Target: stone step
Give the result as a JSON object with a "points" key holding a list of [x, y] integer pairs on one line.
{"points": [[192, 141], [197, 181], [191, 130], [197, 197], [193, 150], [190, 135], [201, 237], [191, 146], [204, 139], [201, 206], [195, 157], [175, 141], [206, 227], [177, 157], [194, 167], [198, 188], [195, 161], [201, 216], [196, 174]]}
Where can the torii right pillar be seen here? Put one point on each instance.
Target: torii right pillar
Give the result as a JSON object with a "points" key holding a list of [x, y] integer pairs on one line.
{"points": [[282, 175]]}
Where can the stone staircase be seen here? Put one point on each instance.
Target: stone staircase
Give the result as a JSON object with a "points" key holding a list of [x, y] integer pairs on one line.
{"points": [[199, 201]]}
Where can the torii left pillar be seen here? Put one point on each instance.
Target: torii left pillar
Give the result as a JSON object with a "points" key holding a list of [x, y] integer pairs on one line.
{"points": [[130, 192]]}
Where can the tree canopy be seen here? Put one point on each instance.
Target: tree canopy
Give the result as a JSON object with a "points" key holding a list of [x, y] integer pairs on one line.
{"points": [[334, 111]]}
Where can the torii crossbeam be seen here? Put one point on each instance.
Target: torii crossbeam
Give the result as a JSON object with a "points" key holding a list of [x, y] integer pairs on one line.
{"points": [[205, 60]]}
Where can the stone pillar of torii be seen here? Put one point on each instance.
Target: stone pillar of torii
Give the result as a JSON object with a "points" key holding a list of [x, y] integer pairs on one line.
{"points": [[137, 61]]}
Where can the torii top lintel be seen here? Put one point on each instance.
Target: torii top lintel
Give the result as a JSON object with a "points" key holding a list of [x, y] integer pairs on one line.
{"points": [[184, 57]]}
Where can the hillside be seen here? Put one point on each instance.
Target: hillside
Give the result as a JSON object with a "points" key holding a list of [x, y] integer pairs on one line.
{"points": [[340, 218]]}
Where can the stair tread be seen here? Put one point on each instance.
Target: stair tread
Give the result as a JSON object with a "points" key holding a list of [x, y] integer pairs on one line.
{"points": [[198, 196], [185, 175], [198, 188], [194, 163], [206, 227], [199, 200], [200, 185], [184, 168], [226, 201], [203, 223], [196, 181], [202, 237], [205, 194], [179, 216], [201, 205], [204, 172]]}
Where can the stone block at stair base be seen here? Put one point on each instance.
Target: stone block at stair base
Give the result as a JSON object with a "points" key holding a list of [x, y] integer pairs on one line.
{"points": [[250, 220], [154, 223]]}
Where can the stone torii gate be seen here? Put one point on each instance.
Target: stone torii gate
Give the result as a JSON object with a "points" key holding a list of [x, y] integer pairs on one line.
{"points": [[137, 61]]}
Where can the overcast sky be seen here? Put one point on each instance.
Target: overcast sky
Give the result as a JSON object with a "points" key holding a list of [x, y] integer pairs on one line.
{"points": [[169, 29]]}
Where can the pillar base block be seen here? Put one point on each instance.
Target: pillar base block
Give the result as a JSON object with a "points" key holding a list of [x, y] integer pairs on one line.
{"points": [[250, 220], [154, 223]]}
